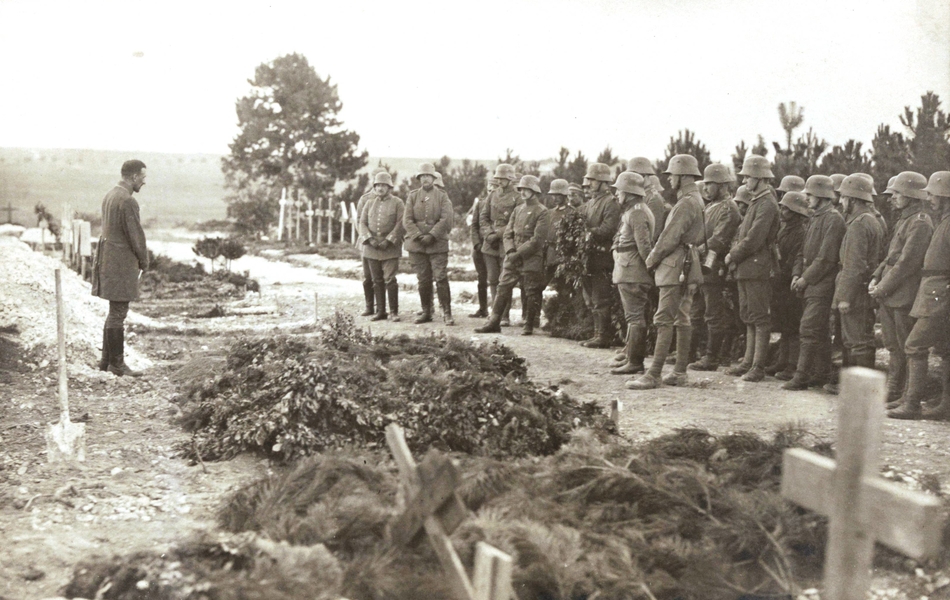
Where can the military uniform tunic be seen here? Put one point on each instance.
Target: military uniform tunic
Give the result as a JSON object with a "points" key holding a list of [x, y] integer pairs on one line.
{"points": [[602, 216], [722, 221], [523, 243], [122, 252], [932, 305], [859, 255], [632, 245], [752, 255]]}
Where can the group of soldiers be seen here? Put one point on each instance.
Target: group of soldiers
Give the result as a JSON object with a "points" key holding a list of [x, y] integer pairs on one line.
{"points": [[813, 260]]}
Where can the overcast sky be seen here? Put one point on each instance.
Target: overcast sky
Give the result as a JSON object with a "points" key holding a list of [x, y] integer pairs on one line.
{"points": [[425, 79]]}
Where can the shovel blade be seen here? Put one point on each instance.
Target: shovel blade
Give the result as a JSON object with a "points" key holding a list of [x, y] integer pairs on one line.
{"points": [[66, 442]]}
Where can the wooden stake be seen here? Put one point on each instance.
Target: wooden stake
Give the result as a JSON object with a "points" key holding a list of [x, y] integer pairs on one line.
{"points": [[316, 309]]}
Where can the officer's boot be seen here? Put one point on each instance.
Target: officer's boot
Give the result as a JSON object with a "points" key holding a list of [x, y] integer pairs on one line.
{"points": [[916, 382], [117, 364], [605, 338], [743, 367], [822, 363], [494, 321], [896, 378], [598, 324], [369, 296], [802, 376], [941, 412], [781, 357], [527, 314], [506, 315], [652, 378], [683, 341], [425, 295], [633, 351], [482, 302], [757, 372], [725, 351], [380, 295], [695, 344], [445, 301], [791, 361], [710, 360], [392, 289], [538, 305], [106, 355]]}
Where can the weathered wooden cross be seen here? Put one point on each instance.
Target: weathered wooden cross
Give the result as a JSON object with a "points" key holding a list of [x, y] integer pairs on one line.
{"points": [[434, 506], [862, 508]]}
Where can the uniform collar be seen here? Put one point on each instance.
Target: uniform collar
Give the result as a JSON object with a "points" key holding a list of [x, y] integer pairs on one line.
{"points": [[824, 208], [859, 210], [762, 193], [910, 210], [687, 189], [125, 185], [600, 196]]}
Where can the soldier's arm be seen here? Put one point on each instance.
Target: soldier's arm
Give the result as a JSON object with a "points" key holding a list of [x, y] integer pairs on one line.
{"points": [[475, 230], [395, 236], [911, 259], [485, 224], [827, 258], [671, 237], [604, 233], [409, 221], [855, 266], [364, 221], [446, 217], [642, 236], [724, 229], [508, 237], [133, 230], [758, 234], [535, 243]]}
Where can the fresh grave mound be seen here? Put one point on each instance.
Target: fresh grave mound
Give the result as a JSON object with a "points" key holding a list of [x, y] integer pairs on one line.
{"points": [[286, 397], [688, 515], [168, 278], [28, 307]]}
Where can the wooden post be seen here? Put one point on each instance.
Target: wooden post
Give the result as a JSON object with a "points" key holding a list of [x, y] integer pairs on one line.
{"points": [[296, 223], [616, 407], [77, 224], [492, 576], [861, 507], [342, 221], [316, 309], [319, 220], [309, 214], [354, 222], [85, 245], [280, 217]]}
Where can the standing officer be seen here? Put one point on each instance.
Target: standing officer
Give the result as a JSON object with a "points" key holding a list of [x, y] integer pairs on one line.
{"points": [[428, 220], [492, 219], [752, 256], [603, 217], [524, 256], [368, 293], [794, 214], [478, 258], [896, 280], [813, 277], [859, 256], [722, 220], [121, 257], [381, 230], [632, 245], [560, 208], [676, 260], [931, 309]]}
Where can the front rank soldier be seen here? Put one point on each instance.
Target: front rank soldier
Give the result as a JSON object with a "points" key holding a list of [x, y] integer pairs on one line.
{"points": [[675, 258], [896, 280], [575, 195], [751, 254], [654, 199], [492, 220], [602, 215], [524, 256], [368, 289], [932, 311], [560, 208], [790, 183], [721, 223], [814, 278], [428, 220], [794, 214], [381, 230], [478, 258]]}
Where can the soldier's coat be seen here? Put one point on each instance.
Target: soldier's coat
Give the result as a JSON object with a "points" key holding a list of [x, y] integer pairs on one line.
{"points": [[382, 218], [632, 245], [932, 296], [752, 247], [898, 275], [684, 225], [493, 217], [122, 252], [817, 263], [859, 255], [428, 212], [525, 236]]}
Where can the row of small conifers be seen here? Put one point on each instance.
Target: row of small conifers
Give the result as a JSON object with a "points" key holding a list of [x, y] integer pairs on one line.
{"points": [[584, 513]]}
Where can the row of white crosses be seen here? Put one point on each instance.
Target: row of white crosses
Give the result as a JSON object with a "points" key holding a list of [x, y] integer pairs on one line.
{"points": [[76, 238], [292, 211]]}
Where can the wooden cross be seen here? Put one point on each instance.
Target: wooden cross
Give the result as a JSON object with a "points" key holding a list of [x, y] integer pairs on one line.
{"points": [[9, 210], [434, 506], [862, 508]]}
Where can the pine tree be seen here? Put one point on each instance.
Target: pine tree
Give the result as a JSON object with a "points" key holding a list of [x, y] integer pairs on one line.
{"points": [[791, 115], [846, 159], [929, 145], [890, 155]]}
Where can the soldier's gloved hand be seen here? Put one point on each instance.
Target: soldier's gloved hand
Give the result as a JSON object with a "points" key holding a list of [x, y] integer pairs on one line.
{"points": [[844, 307], [384, 244], [492, 238], [691, 289], [426, 239], [728, 259], [799, 285]]}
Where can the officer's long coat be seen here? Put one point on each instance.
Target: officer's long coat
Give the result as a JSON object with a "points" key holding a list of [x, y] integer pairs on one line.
{"points": [[428, 212], [121, 253]]}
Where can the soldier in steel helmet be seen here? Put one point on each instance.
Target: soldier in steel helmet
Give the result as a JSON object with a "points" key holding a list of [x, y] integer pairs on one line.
{"points": [[631, 247], [478, 258], [751, 259], [428, 220], [493, 218], [381, 229], [524, 239], [932, 310], [369, 295], [813, 277], [896, 280], [721, 221], [675, 258], [654, 189], [790, 183], [559, 208], [575, 195], [837, 178], [794, 214]]}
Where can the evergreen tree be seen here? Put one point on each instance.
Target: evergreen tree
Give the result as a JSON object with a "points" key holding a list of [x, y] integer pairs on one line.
{"points": [[791, 115], [890, 155], [801, 158], [929, 145], [846, 159]]}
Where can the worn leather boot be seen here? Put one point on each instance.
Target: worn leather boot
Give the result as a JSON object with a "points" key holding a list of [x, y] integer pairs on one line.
{"points": [[445, 301], [634, 362], [941, 412], [605, 339], [757, 372], [492, 326], [425, 295], [598, 325], [909, 408], [802, 376], [743, 367], [369, 296], [392, 290], [791, 361], [652, 378], [117, 365], [896, 376], [710, 360], [106, 355], [482, 311], [781, 357], [380, 296], [678, 376], [527, 312]]}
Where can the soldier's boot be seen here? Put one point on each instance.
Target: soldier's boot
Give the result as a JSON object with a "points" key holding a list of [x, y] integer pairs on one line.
{"points": [[425, 295], [794, 348], [538, 305], [482, 311], [117, 364], [683, 342], [598, 325], [106, 354], [652, 378], [802, 376], [909, 408], [524, 308], [746, 364], [725, 350], [379, 290], [781, 357], [822, 363], [506, 315], [634, 358], [369, 294], [833, 387], [757, 372], [445, 301], [896, 378], [710, 360], [392, 289], [605, 339], [492, 326], [527, 312], [941, 412]]}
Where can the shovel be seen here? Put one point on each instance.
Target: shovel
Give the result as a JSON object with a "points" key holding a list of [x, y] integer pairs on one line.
{"points": [[65, 441]]}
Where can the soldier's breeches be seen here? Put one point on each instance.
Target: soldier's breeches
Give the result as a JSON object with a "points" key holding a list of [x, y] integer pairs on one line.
{"points": [[814, 330], [597, 288], [367, 273], [429, 267], [788, 311], [493, 267], [896, 324], [634, 297], [383, 271], [854, 327], [717, 315], [118, 311], [697, 311], [754, 298], [927, 333], [481, 269], [674, 307]]}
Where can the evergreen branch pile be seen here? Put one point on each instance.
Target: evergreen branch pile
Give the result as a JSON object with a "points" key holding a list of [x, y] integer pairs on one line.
{"points": [[287, 397]]}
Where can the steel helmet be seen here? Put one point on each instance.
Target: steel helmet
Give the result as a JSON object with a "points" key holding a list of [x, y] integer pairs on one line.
{"points": [[821, 186], [855, 186], [559, 186], [654, 183], [505, 171], [599, 172], [743, 195], [908, 183], [791, 183], [718, 173], [426, 169], [837, 178], [939, 184], [796, 202], [641, 165], [890, 183], [530, 182], [869, 179], [574, 187], [630, 182], [756, 166], [384, 178], [683, 164], [438, 181]]}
